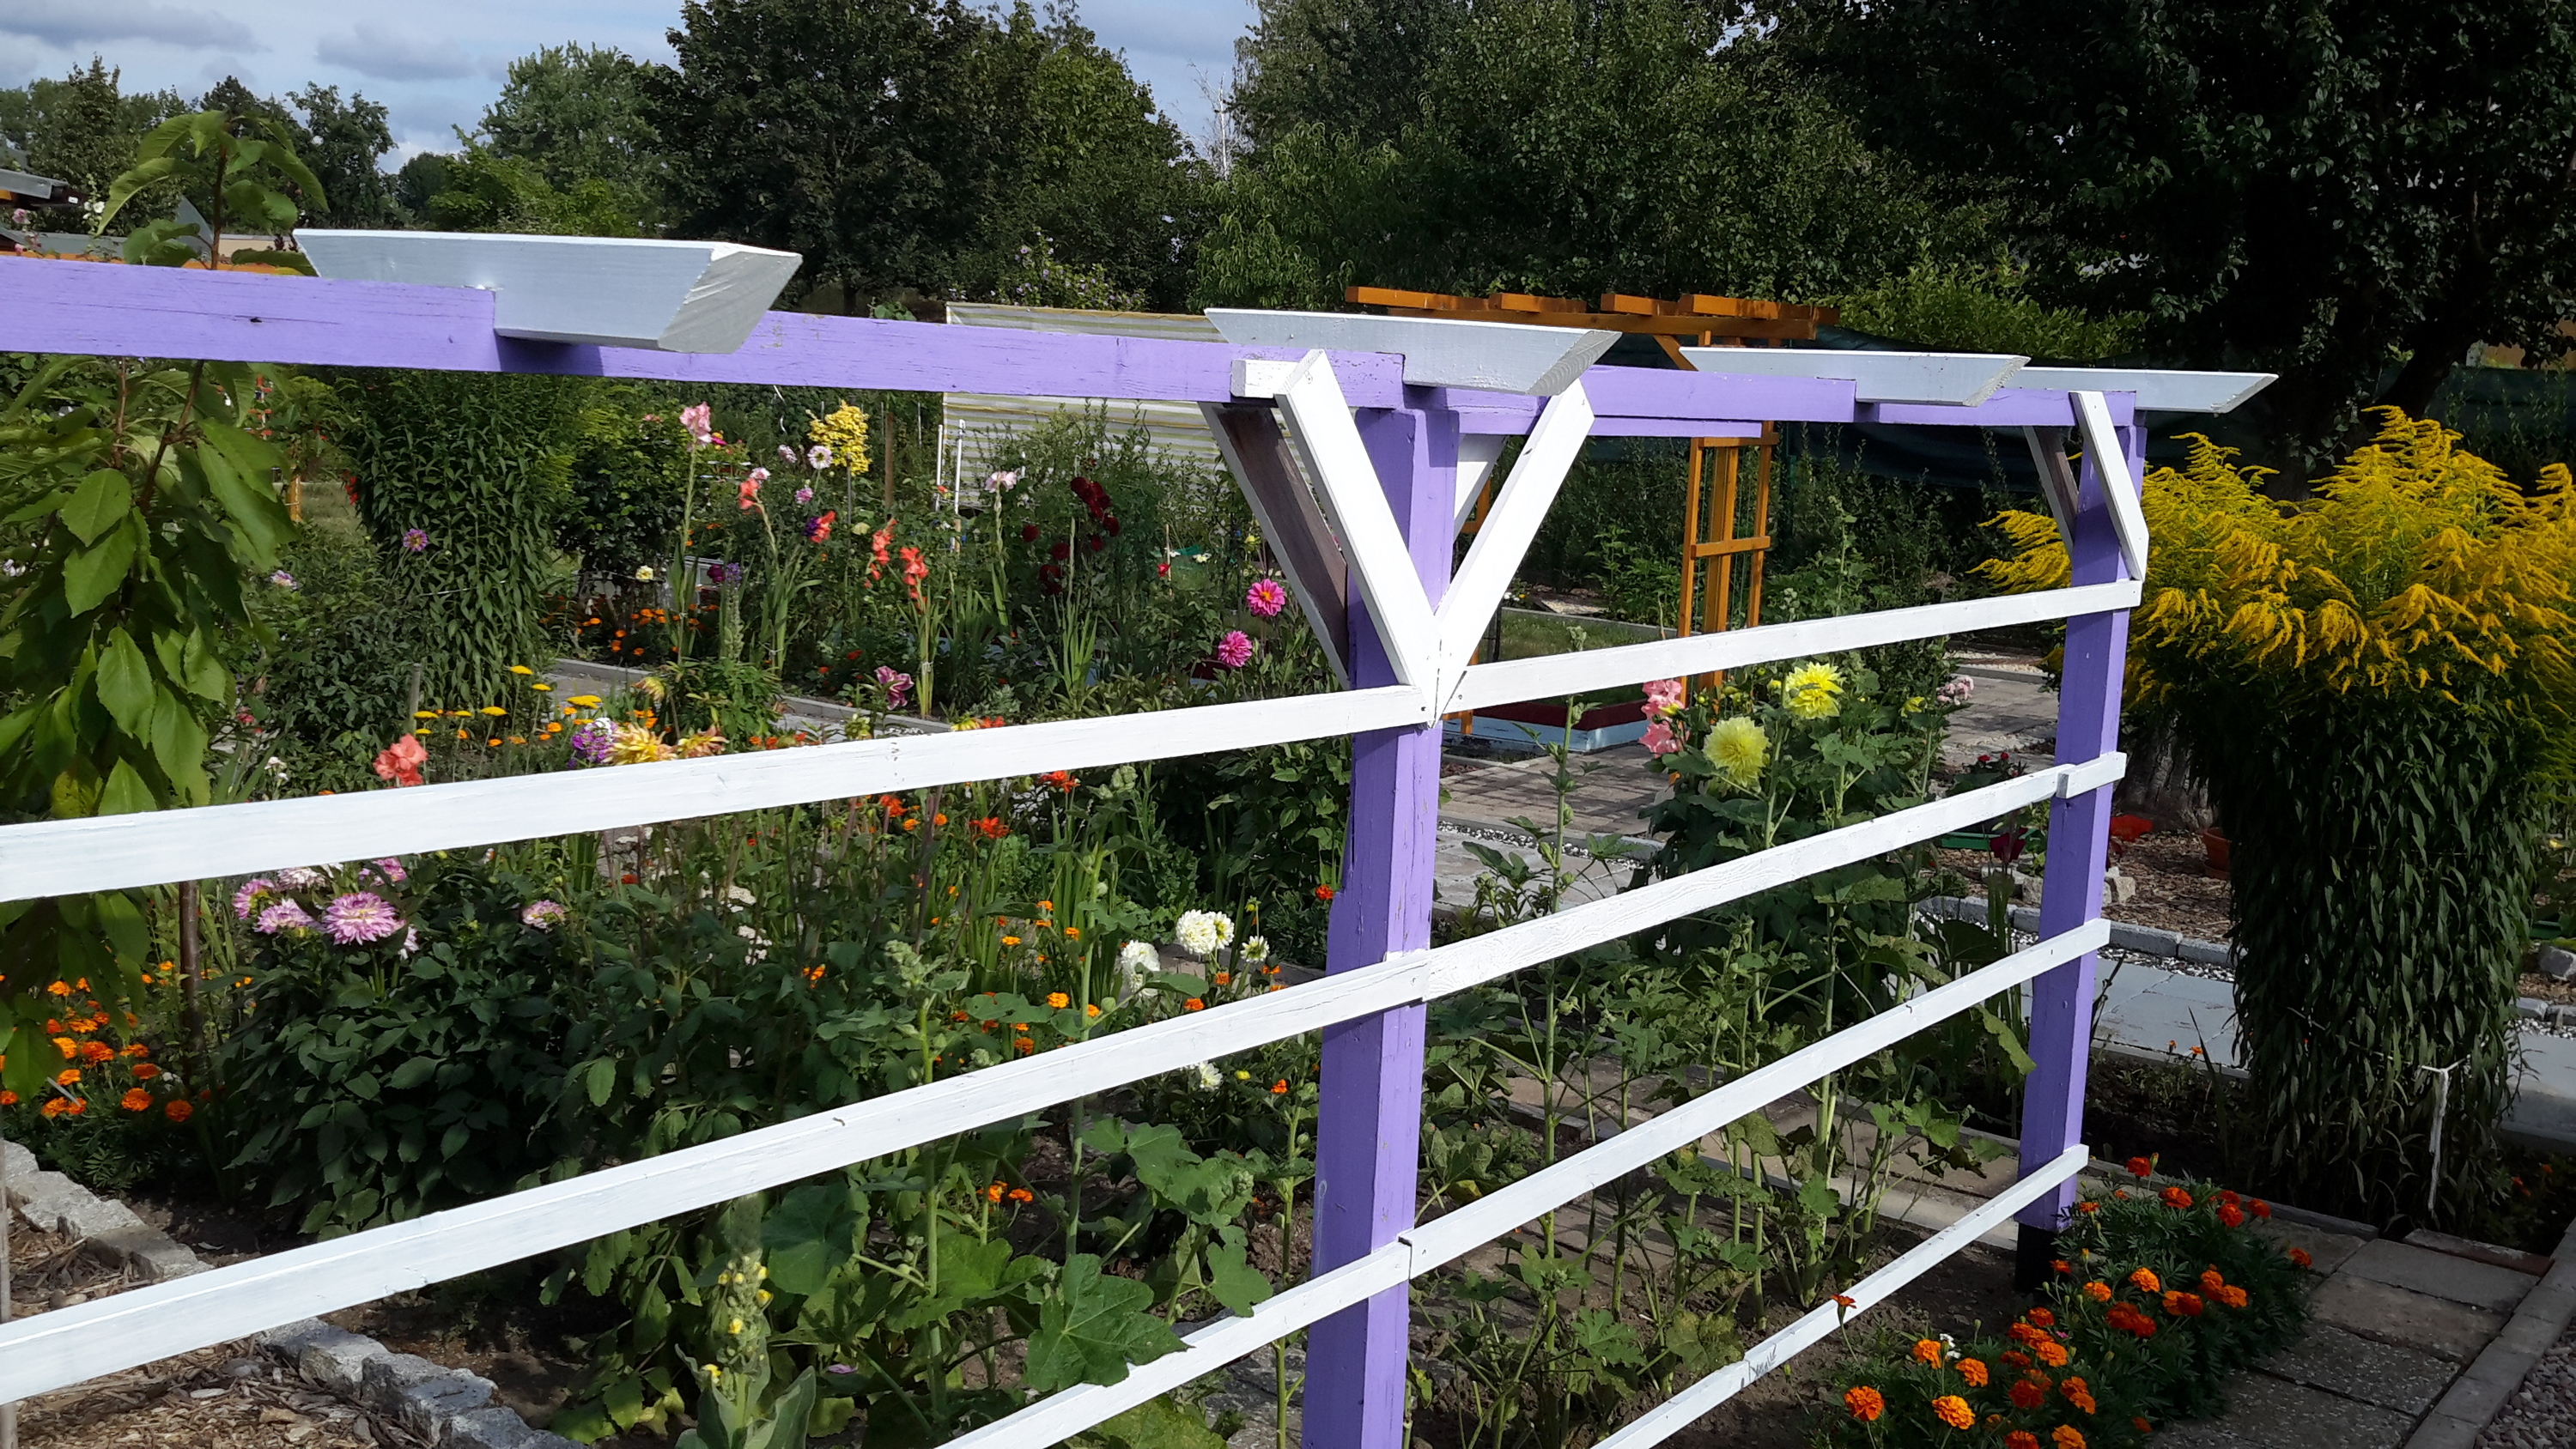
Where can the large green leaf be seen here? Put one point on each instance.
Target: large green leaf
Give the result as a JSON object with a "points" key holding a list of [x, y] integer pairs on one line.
{"points": [[1093, 1328], [97, 571], [124, 683], [126, 792], [1232, 1280], [102, 498]]}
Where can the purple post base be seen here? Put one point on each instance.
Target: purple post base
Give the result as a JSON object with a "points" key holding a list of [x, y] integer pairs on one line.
{"points": [[1369, 1124], [2061, 1007]]}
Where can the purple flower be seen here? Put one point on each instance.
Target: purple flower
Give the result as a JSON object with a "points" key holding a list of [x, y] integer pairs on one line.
{"points": [[896, 685], [283, 916], [786, 454], [542, 915], [282, 579], [392, 870], [804, 495], [415, 540], [360, 917], [1265, 598], [724, 573], [1234, 650], [246, 900], [301, 878], [592, 740]]}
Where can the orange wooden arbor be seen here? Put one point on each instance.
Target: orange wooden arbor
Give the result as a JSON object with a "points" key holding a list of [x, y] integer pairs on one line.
{"points": [[1710, 542]]}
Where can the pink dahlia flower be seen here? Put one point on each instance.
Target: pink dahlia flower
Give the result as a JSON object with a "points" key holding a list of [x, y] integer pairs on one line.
{"points": [[1265, 598], [1234, 650], [283, 916], [360, 917]]}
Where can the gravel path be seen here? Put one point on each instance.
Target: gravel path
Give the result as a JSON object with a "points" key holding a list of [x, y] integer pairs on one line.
{"points": [[2542, 1413]]}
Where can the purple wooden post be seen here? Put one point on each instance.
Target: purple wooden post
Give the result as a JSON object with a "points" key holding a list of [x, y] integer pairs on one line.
{"points": [[2061, 1007], [1369, 1124]]}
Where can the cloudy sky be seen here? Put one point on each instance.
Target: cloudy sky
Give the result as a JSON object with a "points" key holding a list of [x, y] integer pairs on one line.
{"points": [[437, 65]]}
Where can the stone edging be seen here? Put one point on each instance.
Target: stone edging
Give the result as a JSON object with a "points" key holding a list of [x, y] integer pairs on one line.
{"points": [[2175, 946], [447, 1407], [2486, 1386]]}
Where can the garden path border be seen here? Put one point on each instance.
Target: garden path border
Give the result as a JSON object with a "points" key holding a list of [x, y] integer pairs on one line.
{"points": [[2487, 1386], [448, 1407]]}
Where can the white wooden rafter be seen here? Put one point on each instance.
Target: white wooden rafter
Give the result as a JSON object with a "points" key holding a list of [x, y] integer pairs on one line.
{"points": [[1528, 491], [1337, 462], [2111, 461]]}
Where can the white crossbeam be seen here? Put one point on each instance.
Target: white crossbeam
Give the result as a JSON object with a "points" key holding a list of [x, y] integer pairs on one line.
{"points": [[65, 1346], [1528, 491], [2111, 460]]}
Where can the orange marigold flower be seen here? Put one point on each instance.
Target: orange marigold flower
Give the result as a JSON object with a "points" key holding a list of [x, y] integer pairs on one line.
{"points": [[1020, 1194], [2146, 1281], [2052, 1354], [2262, 1209], [2067, 1436], [2042, 1317], [2026, 1333], [2140, 1166], [2300, 1257], [2211, 1280], [2098, 1291], [2029, 1393], [2061, 1266], [54, 1107], [995, 1192], [2021, 1439], [1927, 1350], [1058, 1000], [1010, 940], [1865, 1403], [136, 1050], [1952, 1410], [60, 988], [1091, 1008], [68, 1047], [1025, 1045], [2088, 1207], [2014, 1358], [1279, 1088], [2183, 1305], [1193, 1004], [2234, 1297], [2231, 1215], [2175, 1197], [136, 1100], [1222, 978], [96, 1051], [68, 1076], [2141, 1425], [178, 1111], [1974, 1371], [8, 1098]]}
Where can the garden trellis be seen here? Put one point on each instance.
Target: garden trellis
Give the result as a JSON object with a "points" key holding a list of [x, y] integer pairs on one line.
{"points": [[1358, 493]]}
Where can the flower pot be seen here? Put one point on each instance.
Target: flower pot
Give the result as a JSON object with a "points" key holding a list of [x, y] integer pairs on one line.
{"points": [[2214, 846]]}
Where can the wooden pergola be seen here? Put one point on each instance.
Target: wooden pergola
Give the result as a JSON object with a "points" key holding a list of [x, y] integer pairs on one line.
{"points": [[1710, 543]]}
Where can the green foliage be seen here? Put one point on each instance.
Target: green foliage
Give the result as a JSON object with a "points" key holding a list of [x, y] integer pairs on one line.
{"points": [[627, 468], [83, 129], [331, 669], [382, 1079], [212, 155], [1555, 147], [480, 465], [1987, 308], [576, 114], [917, 144], [479, 189], [2310, 190], [341, 140]]}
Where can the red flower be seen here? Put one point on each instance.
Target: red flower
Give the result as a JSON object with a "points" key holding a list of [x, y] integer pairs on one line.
{"points": [[1060, 550], [2140, 1167], [1324, 893], [2183, 1305], [400, 761], [2042, 1317], [2029, 1393], [1028, 533], [2231, 1215], [2175, 1198], [2259, 1208]]}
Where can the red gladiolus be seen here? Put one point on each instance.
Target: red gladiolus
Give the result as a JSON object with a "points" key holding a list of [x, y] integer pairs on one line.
{"points": [[400, 761]]}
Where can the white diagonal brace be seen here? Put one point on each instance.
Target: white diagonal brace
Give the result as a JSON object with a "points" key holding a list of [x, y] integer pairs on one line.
{"points": [[1329, 443], [1258, 455], [2111, 461], [2056, 479], [1528, 492], [1477, 454]]}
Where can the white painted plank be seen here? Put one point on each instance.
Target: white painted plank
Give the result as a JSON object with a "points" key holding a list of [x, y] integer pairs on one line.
{"points": [[1527, 494], [1594, 670], [1320, 427], [664, 296], [2057, 486], [1687, 1407], [1438, 352], [1454, 1235], [2102, 447], [68, 1345], [2158, 389], [55, 857], [1477, 454], [1959, 379]]}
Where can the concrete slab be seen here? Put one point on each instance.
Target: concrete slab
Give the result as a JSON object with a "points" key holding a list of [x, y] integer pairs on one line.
{"points": [[2404, 1265], [2409, 1319], [2407, 1380], [2264, 1412], [2329, 1251]]}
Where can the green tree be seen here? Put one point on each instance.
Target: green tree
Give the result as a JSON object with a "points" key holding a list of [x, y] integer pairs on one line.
{"points": [[345, 143], [2328, 189], [83, 128], [575, 113], [1353, 67], [479, 189], [1575, 147]]}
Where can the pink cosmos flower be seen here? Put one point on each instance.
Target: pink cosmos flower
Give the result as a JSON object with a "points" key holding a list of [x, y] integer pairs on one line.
{"points": [[1660, 739], [415, 540], [360, 917], [700, 421], [786, 454], [542, 915], [283, 916], [1664, 696], [1265, 598], [1234, 650], [804, 495]]}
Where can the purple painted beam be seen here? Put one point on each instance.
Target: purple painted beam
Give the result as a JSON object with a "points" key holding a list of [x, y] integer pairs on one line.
{"points": [[121, 311], [1369, 1124], [2010, 407], [2088, 725]]}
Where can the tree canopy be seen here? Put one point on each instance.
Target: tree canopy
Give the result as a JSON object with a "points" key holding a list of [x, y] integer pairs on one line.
{"points": [[2347, 193]]}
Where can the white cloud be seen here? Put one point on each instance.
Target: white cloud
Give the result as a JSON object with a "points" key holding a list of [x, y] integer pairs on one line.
{"points": [[80, 22], [385, 53]]}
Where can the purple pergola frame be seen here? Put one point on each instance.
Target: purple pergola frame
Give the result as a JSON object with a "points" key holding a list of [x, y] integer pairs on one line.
{"points": [[1372, 1074]]}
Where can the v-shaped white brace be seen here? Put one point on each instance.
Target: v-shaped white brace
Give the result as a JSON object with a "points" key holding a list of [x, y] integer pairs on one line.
{"points": [[1428, 647], [2057, 482]]}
